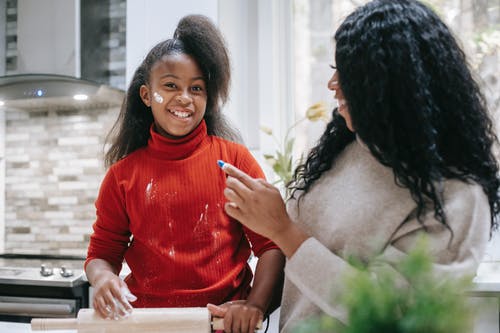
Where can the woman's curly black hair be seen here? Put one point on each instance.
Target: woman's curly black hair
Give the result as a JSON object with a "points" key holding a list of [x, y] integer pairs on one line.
{"points": [[412, 101], [199, 38]]}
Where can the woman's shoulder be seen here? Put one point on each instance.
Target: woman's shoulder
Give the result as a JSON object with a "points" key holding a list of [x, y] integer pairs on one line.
{"points": [[464, 193], [467, 208]]}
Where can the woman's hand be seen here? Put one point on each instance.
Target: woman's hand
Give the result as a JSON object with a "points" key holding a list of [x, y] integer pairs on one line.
{"points": [[255, 203], [112, 297], [239, 316]]}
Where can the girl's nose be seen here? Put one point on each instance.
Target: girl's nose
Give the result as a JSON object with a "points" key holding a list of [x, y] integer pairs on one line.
{"points": [[183, 99]]}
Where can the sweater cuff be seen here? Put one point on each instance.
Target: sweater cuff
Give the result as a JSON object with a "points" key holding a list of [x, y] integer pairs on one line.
{"points": [[300, 261], [306, 270]]}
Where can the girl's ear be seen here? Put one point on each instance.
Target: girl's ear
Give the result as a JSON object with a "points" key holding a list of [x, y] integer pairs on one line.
{"points": [[145, 95]]}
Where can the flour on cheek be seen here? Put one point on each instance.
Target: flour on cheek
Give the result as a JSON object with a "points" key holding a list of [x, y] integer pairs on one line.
{"points": [[157, 97]]}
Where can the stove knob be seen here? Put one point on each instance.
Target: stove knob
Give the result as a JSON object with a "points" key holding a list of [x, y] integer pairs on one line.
{"points": [[66, 272], [44, 271]]}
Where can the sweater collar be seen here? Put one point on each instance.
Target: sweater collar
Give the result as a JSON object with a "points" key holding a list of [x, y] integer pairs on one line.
{"points": [[176, 149]]}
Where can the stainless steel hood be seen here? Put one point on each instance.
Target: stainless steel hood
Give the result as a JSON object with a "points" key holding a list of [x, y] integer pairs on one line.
{"points": [[42, 92]]}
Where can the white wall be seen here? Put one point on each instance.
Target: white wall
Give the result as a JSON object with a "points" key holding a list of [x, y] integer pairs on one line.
{"points": [[238, 22], [259, 37]]}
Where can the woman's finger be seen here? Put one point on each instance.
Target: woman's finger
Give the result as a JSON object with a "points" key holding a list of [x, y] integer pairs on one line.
{"points": [[232, 196], [233, 171], [240, 188], [232, 210]]}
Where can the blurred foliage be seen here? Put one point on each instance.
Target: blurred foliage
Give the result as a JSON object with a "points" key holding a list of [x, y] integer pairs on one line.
{"points": [[282, 160], [380, 302]]}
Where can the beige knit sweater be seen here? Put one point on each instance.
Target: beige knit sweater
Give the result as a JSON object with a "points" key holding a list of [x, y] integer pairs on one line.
{"points": [[356, 208]]}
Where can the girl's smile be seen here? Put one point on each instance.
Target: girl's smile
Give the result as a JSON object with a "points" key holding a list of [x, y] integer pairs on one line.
{"points": [[180, 112]]}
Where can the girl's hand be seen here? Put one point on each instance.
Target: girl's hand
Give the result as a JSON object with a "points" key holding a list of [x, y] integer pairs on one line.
{"points": [[239, 316], [255, 203], [112, 297]]}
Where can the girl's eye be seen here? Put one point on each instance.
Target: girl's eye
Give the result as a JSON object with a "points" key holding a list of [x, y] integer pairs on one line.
{"points": [[197, 89], [170, 85]]}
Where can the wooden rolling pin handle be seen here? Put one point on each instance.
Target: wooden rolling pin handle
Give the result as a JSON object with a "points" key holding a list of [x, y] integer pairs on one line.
{"points": [[47, 324], [218, 324]]}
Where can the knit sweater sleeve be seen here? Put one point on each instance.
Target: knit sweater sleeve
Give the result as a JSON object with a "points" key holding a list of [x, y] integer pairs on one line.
{"points": [[457, 254], [320, 274], [111, 235]]}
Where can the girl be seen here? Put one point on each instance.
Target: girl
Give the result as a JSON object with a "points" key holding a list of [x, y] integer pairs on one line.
{"points": [[160, 205]]}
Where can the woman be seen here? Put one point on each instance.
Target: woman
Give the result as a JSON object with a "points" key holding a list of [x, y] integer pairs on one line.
{"points": [[408, 152]]}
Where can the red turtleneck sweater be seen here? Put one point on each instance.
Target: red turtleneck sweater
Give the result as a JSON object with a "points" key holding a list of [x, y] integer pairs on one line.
{"points": [[185, 250]]}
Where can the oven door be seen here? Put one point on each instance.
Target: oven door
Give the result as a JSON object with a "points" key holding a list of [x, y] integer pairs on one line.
{"points": [[22, 308]]}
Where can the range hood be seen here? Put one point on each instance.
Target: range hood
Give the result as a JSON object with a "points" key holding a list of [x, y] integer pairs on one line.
{"points": [[43, 92], [49, 69]]}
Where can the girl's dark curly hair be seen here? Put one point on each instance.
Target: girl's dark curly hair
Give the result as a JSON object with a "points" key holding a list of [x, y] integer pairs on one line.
{"points": [[199, 38], [413, 102]]}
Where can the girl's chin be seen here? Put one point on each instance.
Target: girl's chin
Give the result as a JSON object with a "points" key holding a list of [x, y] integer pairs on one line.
{"points": [[176, 134], [182, 131], [173, 133]]}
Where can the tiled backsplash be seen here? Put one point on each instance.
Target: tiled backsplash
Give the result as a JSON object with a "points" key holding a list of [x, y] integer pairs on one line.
{"points": [[53, 168]]}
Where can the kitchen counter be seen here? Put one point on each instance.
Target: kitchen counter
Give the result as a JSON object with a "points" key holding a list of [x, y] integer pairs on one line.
{"points": [[487, 280], [486, 292]]}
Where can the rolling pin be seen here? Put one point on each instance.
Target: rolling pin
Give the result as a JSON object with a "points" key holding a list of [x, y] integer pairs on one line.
{"points": [[150, 320]]}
